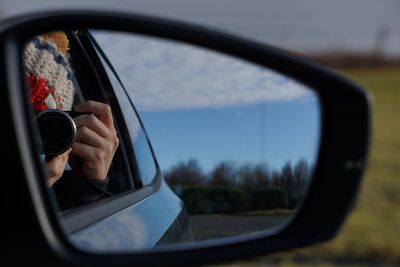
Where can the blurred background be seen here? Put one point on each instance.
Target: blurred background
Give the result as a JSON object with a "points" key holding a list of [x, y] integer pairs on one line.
{"points": [[358, 38]]}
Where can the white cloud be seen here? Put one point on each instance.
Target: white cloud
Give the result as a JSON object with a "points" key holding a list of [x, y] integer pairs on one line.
{"points": [[165, 75]]}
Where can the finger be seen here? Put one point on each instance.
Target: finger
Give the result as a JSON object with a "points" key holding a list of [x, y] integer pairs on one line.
{"points": [[92, 122], [56, 166], [93, 163], [101, 110], [57, 163], [59, 158], [83, 151], [89, 137]]}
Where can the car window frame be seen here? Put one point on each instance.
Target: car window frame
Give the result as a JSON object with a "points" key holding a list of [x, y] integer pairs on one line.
{"points": [[105, 59], [98, 94]]}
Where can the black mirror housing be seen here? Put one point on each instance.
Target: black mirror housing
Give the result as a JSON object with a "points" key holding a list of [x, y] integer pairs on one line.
{"points": [[341, 159]]}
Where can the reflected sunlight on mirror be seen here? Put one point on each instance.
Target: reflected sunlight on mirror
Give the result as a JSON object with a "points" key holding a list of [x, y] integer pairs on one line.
{"points": [[147, 142]]}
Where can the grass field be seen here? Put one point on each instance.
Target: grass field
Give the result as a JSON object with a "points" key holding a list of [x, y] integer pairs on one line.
{"points": [[371, 234]]}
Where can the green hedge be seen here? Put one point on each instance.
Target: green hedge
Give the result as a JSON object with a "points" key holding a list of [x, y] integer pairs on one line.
{"points": [[269, 198], [294, 200], [200, 199], [219, 199]]}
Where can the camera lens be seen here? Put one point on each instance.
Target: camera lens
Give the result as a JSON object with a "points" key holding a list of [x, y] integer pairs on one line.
{"points": [[57, 131]]}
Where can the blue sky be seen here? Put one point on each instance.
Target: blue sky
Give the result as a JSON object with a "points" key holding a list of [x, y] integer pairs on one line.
{"points": [[199, 104], [270, 133]]}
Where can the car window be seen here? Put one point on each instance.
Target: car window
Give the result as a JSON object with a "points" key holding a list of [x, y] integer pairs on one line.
{"points": [[145, 160]]}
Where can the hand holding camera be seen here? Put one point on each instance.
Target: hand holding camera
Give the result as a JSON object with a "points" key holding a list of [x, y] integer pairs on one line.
{"points": [[96, 140], [85, 137]]}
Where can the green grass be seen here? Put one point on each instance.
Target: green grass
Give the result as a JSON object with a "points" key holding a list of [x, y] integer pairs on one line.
{"points": [[372, 230], [289, 263], [371, 233]]}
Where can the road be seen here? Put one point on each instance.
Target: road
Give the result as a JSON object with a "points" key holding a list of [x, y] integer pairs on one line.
{"points": [[216, 226]]}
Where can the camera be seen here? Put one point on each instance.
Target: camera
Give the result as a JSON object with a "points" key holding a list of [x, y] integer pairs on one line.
{"points": [[57, 131]]}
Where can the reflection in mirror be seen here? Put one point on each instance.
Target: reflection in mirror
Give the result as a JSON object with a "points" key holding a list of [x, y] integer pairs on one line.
{"points": [[229, 146]]}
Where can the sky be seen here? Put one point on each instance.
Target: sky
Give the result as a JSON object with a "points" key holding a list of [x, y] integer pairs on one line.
{"points": [[198, 104], [236, 134]]}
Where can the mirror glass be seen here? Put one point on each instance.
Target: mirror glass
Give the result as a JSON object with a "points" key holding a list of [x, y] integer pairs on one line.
{"points": [[148, 142]]}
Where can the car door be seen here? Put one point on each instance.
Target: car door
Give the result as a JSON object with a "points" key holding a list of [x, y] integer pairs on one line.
{"points": [[142, 211]]}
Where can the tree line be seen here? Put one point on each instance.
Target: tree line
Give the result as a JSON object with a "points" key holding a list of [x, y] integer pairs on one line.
{"points": [[257, 183], [292, 177]]}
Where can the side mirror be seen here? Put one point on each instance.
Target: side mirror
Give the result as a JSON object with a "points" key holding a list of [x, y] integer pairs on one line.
{"points": [[144, 220]]}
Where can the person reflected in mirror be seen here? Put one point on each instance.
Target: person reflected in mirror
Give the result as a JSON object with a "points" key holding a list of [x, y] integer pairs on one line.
{"points": [[80, 174]]}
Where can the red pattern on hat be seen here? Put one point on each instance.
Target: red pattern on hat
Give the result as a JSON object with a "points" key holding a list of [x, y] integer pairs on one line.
{"points": [[39, 92]]}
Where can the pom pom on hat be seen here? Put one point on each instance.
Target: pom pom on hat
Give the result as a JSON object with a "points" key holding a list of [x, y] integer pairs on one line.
{"points": [[48, 72], [60, 39]]}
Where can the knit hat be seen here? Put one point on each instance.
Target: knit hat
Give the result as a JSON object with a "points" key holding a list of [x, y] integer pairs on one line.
{"points": [[48, 72]]}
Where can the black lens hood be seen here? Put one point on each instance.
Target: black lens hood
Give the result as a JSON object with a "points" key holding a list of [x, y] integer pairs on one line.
{"points": [[57, 131]]}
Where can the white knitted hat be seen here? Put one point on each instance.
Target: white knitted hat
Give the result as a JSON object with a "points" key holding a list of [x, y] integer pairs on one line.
{"points": [[49, 75]]}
